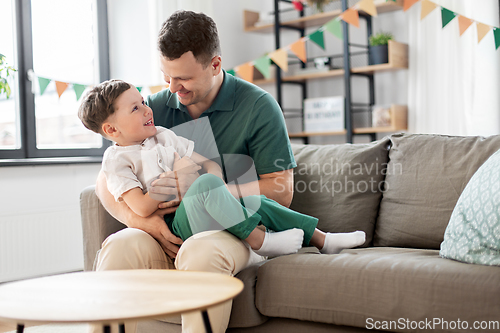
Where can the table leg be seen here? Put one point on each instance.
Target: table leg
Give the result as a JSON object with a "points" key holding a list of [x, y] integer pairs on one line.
{"points": [[206, 321], [20, 328], [106, 329], [122, 328]]}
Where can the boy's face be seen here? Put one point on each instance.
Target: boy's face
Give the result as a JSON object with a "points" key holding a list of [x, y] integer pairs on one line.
{"points": [[187, 78], [132, 121]]}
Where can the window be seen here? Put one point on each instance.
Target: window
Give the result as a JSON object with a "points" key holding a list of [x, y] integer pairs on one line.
{"points": [[60, 49]]}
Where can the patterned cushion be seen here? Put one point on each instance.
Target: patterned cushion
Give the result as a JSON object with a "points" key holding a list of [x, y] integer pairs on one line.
{"points": [[473, 233]]}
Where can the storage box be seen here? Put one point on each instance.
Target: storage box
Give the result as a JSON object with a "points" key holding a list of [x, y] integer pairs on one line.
{"points": [[324, 114]]}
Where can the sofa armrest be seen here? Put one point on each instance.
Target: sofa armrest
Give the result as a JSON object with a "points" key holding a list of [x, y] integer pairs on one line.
{"points": [[97, 225]]}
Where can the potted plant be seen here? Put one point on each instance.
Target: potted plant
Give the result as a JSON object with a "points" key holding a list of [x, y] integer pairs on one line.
{"points": [[5, 72], [378, 49]]}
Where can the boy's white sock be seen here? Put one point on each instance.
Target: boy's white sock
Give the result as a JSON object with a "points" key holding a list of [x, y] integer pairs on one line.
{"points": [[336, 242], [282, 242]]}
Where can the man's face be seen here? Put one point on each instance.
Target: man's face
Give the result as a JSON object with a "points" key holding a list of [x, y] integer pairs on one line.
{"points": [[188, 79]]}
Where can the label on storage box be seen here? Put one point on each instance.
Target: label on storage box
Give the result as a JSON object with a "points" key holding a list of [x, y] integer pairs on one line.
{"points": [[324, 114]]}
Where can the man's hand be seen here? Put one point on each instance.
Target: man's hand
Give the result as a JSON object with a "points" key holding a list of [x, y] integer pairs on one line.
{"points": [[176, 182], [158, 229]]}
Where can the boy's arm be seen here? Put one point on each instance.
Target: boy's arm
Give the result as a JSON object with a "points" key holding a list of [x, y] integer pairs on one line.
{"points": [[140, 203]]}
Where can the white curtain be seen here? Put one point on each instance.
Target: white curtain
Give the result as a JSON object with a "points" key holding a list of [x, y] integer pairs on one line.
{"points": [[453, 81]]}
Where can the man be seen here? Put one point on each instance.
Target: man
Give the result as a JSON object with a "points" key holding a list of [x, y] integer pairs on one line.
{"points": [[244, 120]]}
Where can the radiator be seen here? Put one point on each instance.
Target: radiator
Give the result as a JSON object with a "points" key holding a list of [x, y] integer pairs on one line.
{"points": [[40, 244]]}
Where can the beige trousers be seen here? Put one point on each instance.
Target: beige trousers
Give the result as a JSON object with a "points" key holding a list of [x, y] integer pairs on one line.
{"points": [[211, 251]]}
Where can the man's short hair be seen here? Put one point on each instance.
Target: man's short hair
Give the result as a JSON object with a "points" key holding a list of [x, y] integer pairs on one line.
{"points": [[98, 103], [186, 31]]}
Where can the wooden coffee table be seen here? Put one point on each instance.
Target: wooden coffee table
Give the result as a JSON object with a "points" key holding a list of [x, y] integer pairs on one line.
{"points": [[114, 296]]}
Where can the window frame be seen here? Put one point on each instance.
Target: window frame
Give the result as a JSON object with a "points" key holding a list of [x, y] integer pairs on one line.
{"points": [[28, 153]]}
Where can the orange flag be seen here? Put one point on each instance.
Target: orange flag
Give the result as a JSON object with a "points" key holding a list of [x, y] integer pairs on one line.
{"points": [[351, 16], [463, 24], [368, 7], [245, 71], [299, 49], [61, 87], [427, 7], [280, 58], [482, 30], [408, 4]]}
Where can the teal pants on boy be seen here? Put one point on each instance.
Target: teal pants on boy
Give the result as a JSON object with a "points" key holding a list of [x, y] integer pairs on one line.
{"points": [[208, 205]]}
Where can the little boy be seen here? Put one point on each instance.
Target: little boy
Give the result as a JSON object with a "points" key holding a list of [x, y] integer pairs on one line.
{"points": [[142, 152]]}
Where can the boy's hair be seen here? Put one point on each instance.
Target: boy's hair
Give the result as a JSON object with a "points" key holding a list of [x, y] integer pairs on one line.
{"points": [[186, 31], [98, 103]]}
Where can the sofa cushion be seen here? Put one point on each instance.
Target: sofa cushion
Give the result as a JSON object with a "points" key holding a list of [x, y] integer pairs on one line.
{"points": [[361, 287], [340, 184], [425, 176], [473, 234]]}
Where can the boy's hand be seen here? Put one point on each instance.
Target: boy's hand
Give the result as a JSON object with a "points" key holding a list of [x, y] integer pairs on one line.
{"points": [[175, 182]]}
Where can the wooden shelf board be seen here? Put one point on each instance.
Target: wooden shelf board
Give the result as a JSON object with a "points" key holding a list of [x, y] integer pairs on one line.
{"points": [[306, 134], [367, 130], [316, 19]]}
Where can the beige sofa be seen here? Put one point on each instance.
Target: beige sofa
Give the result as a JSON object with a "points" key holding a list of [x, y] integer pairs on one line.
{"points": [[401, 191]]}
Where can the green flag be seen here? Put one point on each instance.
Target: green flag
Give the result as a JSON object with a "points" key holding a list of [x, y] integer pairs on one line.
{"points": [[317, 37], [43, 82], [262, 64], [231, 71], [139, 88], [79, 89], [335, 28], [496, 33], [447, 15]]}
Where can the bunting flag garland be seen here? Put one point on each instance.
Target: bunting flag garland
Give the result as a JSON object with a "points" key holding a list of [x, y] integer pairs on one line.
{"points": [[318, 38], [61, 87], [335, 28], [280, 58], [482, 30], [299, 49], [447, 16], [245, 71], [496, 35], [43, 83], [232, 72], [263, 64], [463, 24], [368, 6], [408, 3], [351, 16], [79, 89], [427, 8]]}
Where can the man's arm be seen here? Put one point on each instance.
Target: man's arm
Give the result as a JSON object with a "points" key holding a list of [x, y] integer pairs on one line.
{"points": [[153, 224], [277, 186]]}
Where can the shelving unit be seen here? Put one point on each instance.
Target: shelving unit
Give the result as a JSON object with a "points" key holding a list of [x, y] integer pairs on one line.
{"points": [[398, 59]]}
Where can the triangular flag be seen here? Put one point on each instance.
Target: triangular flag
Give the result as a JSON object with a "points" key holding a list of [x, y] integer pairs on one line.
{"points": [[262, 64], [299, 49], [463, 24], [408, 4], [245, 71], [335, 28], [446, 16], [496, 33], [61, 87], [79, 89], [43, 82], [482, 30], [351, 16], [231, 71], [155, 89], [318, 38], [368, 7], [280, 58], [427, 8]]}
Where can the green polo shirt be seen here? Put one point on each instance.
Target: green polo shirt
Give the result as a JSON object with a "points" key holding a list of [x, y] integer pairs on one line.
{"points": [[243, 120]]}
